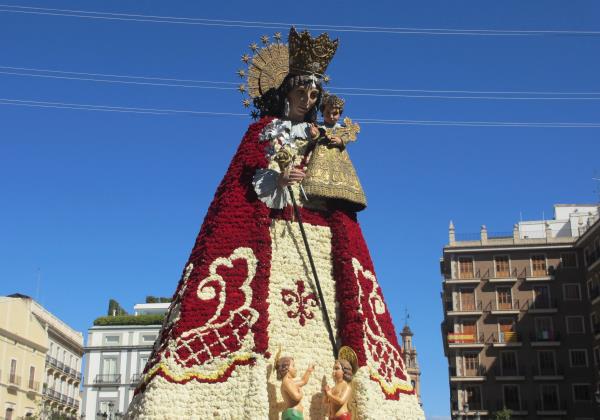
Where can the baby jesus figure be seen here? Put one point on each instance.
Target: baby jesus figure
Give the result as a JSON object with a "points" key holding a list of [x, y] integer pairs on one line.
{"points": [[330, 175]]}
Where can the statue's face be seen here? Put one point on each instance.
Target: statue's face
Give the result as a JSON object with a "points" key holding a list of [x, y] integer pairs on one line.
{"points": [[331, 114], [292, 369], [338, 372], [301, 100]]}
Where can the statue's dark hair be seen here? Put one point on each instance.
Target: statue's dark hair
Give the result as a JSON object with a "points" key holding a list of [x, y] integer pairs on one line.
{"points": [[272, 103]]}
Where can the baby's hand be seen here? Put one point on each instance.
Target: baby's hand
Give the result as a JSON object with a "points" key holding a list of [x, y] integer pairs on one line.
{"points": [[314, 131], [336, 141]]}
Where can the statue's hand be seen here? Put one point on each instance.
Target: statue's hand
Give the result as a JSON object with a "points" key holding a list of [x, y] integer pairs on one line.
{"points": [[336, 141], [295, 175], [314, 131]]}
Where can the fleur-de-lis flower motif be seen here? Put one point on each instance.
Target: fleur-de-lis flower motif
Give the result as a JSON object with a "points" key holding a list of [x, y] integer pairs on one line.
{"points": [[300, 302]]}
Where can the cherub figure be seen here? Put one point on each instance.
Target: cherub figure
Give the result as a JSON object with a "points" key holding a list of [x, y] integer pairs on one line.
{"points": [[291, 388], [339, 396]]}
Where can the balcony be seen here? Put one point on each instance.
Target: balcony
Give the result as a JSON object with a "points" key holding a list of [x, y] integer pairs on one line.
{"points": [[506, 339], [469, 375], [33, 387], [14, 382], [517, 408], [505, 276], [108, 379], [551, 407], [510, 374], [465, 341], [544, 339], [505, 308], [548, 374], [542, 306], [135, 379], [465, 278], [472, 308], [594, 294], [540, 275]]}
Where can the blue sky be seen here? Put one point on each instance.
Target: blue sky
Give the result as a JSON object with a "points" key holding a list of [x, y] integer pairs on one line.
{"points": [[107, 205]]}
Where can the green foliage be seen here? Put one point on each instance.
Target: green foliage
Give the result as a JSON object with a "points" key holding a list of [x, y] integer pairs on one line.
{"points": [[153, 319], [115, 309], [157, 299], [503, 414]]}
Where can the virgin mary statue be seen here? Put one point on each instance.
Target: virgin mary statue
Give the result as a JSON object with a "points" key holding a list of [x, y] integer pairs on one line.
{"points": [[248, 292]]}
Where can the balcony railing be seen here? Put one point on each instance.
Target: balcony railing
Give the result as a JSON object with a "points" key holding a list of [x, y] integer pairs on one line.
{"points": [[544, 336], [542, 304], [502, 371], [548, 371], [108, 379], [136, 378], [465, 338], [14, 380], [33, 385], [70, 401], [551, 404], [475, 306], [594, 292], [506, 306], [506, 337], [468, 373]]}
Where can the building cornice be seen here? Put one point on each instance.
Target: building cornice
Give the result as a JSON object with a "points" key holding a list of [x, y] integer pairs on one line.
{"points": [[516, 247], [89, 349], [19, 339]]}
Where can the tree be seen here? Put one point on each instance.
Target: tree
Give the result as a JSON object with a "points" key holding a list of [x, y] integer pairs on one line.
{"points": [[504, 414], [115, 309]]}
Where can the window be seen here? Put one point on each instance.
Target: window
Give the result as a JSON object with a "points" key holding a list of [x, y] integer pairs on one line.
{"points": [[597, 355], [471, 364], [13, 372], [569, 260], [508, 360], [32, 377], [581, 392], [575, 325], [143, 361], [506, 331], [467, 299], [538, 265], [512, 399], [571, 291], [504, 297], [8, 413], [111, 340], [543, 329], [502, 265], [549, 394], [472, 395], [466, 268], [148, 338], [578, 357], [468, 331], [541, 297], [546, 363]]}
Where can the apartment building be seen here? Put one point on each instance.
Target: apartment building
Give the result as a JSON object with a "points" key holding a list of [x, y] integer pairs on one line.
{"points": [[40, 361], [116, 354], [516, 329], [589, 244]]}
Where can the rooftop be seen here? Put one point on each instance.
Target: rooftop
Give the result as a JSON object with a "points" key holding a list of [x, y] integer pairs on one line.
{"points": [[569, 223]]}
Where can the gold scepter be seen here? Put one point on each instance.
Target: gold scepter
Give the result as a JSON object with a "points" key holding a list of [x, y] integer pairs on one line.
{"points": [[285, 160]]}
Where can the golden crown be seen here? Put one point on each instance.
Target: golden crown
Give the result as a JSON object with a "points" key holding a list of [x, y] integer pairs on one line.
{"points": [[332, 100], [310, 55], [269, 64]]}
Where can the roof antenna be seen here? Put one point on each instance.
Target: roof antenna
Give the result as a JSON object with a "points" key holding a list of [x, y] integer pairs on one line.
{"points": [[37, 288]]}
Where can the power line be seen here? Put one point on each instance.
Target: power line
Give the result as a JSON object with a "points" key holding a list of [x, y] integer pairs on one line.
{"points": [[374, 92], [283, 25], [159, 111]]}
